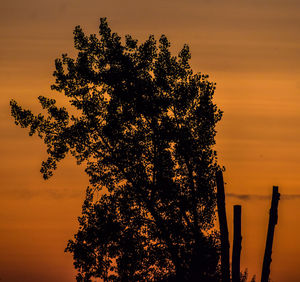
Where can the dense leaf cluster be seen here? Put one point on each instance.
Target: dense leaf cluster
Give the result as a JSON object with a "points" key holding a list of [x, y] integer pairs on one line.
{"points": [[144, 126]]}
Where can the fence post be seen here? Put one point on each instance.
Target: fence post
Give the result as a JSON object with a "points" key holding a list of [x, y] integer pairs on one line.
{"points": [[225, 268], [237, 243], [273, 218]]}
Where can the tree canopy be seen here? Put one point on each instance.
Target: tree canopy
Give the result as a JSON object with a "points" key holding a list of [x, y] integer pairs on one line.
{"points": [[143, 124]]}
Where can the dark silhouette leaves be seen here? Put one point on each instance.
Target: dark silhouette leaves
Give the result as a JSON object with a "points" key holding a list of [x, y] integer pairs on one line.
{"points": [[143, 124]]}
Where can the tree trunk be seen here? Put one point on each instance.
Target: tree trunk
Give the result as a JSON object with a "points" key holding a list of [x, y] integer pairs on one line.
{"points": [[225, 268], [273, 218], [237, 243]]}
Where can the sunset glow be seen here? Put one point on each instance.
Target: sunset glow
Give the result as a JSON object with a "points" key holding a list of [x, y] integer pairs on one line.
{"points": [[249, 48]]}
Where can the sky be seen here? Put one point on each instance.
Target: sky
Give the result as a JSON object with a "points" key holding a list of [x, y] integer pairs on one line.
{"points": [[249, 48]]}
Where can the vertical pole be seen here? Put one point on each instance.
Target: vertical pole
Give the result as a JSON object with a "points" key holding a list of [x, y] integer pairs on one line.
{"points": [[237, 243], [273, 218], [225, 268]]}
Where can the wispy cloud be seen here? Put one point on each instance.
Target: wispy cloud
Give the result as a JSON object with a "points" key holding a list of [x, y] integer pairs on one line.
{"points": [[75, 193], [41, 193], [248, 197]]}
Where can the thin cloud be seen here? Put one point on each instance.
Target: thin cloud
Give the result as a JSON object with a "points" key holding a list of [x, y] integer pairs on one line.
{"points": [[27, 194], [248, 197]]}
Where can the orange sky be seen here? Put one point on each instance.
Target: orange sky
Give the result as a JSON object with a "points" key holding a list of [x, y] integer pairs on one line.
{"points": [[250, 48]]}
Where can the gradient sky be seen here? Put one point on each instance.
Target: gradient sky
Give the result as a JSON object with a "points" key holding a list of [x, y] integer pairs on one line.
{"points": [[250, 48]]}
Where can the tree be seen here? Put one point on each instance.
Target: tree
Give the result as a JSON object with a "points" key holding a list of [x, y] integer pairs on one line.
{"points": [[144, 126]]}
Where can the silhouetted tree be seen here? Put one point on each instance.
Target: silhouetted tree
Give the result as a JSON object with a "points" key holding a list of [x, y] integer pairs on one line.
{"points": [[144, 126]]}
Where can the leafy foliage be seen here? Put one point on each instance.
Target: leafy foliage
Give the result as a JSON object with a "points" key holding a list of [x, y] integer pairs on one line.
{"points": [[144, 126]]}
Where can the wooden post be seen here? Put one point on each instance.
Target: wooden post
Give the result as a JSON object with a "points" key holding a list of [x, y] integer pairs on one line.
{"points": [[273, 218], [237, 243], [225, 268]]}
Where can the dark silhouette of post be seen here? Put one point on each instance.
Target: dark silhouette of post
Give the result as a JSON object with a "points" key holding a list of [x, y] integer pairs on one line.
{"points": [[273, 218], [237, 243], [225, 268]]}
